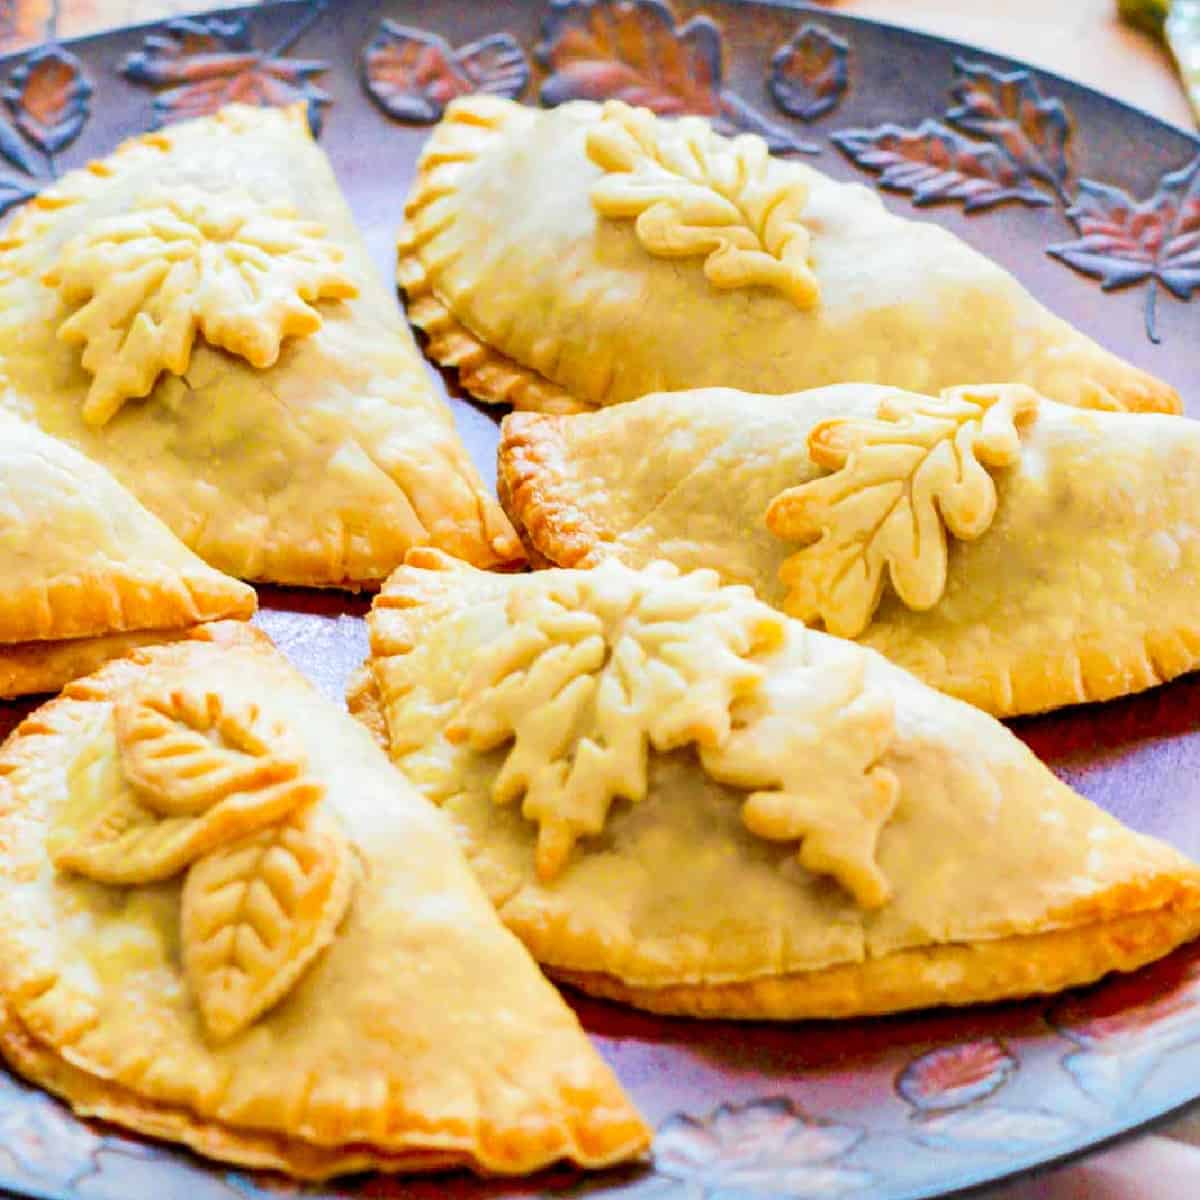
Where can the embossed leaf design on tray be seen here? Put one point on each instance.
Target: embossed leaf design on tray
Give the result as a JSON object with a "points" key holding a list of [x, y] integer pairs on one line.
{"points": [[933, 163], [1008, 109], [899, 483], [815, 739], [695, 193], [1123, 242], [412, 75], [810, 74], [203, 64], [951, 1076], [636, 51], [595, 668], [193, 261], [767, 1147], [257, 912], [49, 98]]}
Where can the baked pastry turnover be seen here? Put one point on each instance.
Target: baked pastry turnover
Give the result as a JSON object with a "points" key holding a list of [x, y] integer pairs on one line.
{"points": [[1014, 552], [86, 573], [198, 313], [230, 923], [680, 798], [588, 255]]}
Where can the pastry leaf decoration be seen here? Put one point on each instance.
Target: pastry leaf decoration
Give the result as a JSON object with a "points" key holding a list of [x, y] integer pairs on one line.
{"points": [[694, 193], [814, 746], [220, 264], [191, 782], [594, 668], [186, 750], [899, 483], [257, 912]]}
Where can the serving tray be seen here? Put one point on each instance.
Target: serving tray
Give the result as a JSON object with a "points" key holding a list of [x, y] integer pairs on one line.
{"points": [[1093, 205]]}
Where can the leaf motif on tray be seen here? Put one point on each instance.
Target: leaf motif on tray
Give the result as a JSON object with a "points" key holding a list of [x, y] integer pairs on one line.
{"points": [[694, 193], [898, 484], [594, 669], [814, 739], [636, 51], [49, 98], [221, 264], [202, 64], [952, 1076], [257, 912], [1123, 242], [810, 74], [412, 75], [932, 163], [768, 1148], [1009, 110]]}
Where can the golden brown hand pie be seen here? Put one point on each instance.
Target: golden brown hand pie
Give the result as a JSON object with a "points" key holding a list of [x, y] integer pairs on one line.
{"points": [[678, 797], [591, 254], [198, 313], [1016, 553], [230, 923], [86, 573]]}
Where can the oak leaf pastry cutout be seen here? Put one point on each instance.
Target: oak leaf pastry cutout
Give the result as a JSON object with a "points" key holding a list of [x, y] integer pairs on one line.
{"points": [[584, 256], [86, 573], [900, 482], [694, 192], [595, 669], [320, 992], [1058, 568], [874, 845], [218, 338], [217, 263]]}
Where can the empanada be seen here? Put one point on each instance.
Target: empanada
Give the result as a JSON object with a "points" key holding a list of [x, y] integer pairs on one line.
{"points": [[198, 313], [230, 923], [86, 573], [680, 798], [592, 254], [1014, 552]]}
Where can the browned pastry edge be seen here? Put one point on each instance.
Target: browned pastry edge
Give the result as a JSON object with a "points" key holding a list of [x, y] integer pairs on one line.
{"points": [[90, 1096], [1007, 969]]}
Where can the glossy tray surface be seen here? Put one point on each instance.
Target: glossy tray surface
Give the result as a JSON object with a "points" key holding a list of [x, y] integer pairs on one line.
{"points": [[1092, 205]]}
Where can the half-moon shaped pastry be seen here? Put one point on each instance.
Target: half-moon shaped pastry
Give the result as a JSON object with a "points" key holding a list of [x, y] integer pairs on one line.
{"points": [[1016, 553], [591, 254], [86, 573], [230, 923], [198, 313], [678, 797]]}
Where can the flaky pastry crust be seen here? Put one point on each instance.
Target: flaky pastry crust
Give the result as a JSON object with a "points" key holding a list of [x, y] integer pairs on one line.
{"points": [[357, 1038], [574, 294], [303, 443], [1079, 588], [950, 867]]}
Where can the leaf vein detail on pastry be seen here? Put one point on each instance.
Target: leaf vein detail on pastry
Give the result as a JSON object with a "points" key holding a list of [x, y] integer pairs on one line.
{"points": [[144, 283], [257, 912], [593, 670], [898, 483], [813, 742], [693, 192]]}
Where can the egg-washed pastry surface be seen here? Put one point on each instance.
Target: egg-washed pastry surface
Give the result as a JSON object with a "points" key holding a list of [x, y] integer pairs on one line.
{"points": [[231, 923], [198, 313], [1014, 552], [86, 573], [588, 255], [680, 798]]}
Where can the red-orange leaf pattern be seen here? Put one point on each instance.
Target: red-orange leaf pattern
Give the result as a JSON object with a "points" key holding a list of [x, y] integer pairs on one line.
{"points": [[636, 51], [210, 63], [932, 163], [48, 96]]}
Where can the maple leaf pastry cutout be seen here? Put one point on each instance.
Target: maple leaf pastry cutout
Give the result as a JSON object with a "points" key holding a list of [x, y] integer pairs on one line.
{"points": [[221, 264]]}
